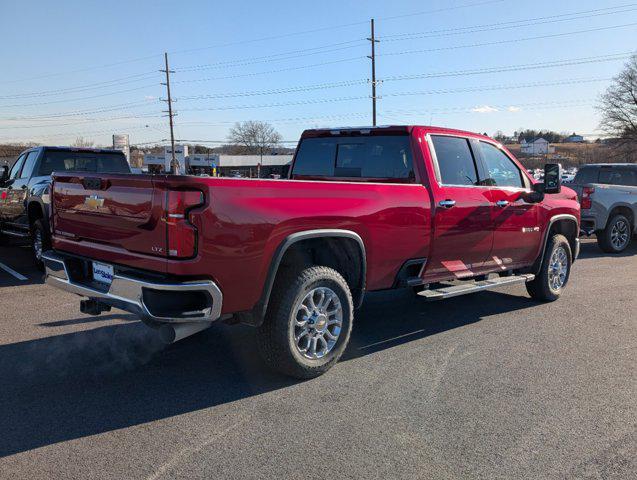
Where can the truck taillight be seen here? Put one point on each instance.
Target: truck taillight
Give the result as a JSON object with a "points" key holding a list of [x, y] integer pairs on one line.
{"points": [[587, 202], [181, 234]]}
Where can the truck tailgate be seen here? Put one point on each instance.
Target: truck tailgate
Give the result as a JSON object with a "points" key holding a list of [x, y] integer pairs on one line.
{"points": [[121, 211]]}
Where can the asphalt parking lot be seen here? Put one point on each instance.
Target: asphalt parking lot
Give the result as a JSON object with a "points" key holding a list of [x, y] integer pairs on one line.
{"points": [[491, 385]]}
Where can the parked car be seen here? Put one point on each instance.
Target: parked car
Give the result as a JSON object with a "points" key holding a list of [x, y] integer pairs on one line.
{"points": [[25, 189], [608, 197], [442, 211]]}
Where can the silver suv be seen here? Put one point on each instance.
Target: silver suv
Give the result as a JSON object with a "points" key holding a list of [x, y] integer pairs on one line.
{"points": [[608, 197]]}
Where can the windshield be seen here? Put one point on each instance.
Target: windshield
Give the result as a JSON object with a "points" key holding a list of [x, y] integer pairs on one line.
{"points": [[106, 162]]}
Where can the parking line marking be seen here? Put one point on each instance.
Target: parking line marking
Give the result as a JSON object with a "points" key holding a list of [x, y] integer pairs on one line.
{"points": [[11, 271]]}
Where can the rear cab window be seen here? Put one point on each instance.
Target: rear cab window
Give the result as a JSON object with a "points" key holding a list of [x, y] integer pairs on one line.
{"points": [[83, 161], [358, 158], [618, 176], [456, 163]]}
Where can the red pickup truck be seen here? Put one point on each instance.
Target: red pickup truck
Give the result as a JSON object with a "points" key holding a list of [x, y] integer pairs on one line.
{"points": [[444, 212]]}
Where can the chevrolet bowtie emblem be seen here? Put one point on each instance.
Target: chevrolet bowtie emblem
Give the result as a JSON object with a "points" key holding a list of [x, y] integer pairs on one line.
{"points": [[94, 201]]}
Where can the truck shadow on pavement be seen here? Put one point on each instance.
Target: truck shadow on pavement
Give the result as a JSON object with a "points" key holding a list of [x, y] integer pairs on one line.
{"points": [[590, 250], [75, 385]]}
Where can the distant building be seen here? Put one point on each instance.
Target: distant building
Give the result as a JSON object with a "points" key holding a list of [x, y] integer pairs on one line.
{"points": [[537, 146], [249, 165], [574, 139]]}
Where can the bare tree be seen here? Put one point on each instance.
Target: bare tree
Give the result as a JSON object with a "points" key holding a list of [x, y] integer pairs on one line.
{"points": [[254, 136], [618, 106], [81, 142]]}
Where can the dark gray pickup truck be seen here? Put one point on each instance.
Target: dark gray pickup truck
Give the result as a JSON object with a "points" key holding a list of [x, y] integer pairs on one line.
{"points": [[608, 197], [24, 189]]}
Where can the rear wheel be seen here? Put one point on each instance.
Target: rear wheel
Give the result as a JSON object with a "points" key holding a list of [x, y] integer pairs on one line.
{"points": [[40, 242], [616, 236], [554, 272], [308, 324]]}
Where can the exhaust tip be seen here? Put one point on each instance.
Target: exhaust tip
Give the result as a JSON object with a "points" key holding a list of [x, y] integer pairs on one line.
{"points": [[178, 331]]}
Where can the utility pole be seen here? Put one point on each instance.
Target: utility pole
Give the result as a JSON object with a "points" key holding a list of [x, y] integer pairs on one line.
{"points": [[373, 40], [174, 164]]}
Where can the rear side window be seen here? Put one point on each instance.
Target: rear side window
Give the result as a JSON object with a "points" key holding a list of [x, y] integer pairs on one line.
{"points": [[617, 176], [500, 168], [586, 175], [101, 162], [381, 157], [455, 160]]}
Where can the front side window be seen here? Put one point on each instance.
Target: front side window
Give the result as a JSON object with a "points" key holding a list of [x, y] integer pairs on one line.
{"points": [[375, 157], [29, 164], [455, 160], [501, 170], [17, 166]]}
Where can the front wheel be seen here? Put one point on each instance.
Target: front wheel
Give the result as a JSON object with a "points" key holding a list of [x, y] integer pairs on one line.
{"points": [[554, 272], [308, 324], [616, 236], [40, 242]]}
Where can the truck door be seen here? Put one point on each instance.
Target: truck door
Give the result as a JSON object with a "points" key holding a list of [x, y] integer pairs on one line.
{"points": [[17, 191], [7, 191], [462, 236], [517, 235]]}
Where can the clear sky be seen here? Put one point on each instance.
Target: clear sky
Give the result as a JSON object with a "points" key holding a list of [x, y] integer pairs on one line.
{"points": [[90, 68]]}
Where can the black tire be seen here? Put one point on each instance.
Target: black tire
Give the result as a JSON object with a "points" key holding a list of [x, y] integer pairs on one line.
{"points": [[542, 288], [276, 341], [40, 242], [607, 239]]}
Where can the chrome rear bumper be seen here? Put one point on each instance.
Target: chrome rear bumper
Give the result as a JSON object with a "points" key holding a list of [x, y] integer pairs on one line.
{"points": [[127, 293]]}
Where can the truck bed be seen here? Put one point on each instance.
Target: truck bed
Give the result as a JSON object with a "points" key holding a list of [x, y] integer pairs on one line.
{"points": [[121, 219]]}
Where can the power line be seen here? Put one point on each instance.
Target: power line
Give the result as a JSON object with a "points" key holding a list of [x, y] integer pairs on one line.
{"points": [[91, 86], [502, 42], [273, 57], [512, 68], [123, 106], [243, 42], [270, 105], [324, 86], [85, 121], [79, 70], [225, 141], [510, 24], [483, 88], [275, 91], [74, 133], [268, 72], [334, 27], [22, 105]]}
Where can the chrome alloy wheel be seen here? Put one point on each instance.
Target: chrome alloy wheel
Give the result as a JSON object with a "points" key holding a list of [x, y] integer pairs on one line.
{"points": [[558, 268], [317, 323], [619, 234], [37, 244]]}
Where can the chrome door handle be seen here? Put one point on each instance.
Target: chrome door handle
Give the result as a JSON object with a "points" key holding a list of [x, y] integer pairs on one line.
{"points": [[502, 203], [447, 203]]}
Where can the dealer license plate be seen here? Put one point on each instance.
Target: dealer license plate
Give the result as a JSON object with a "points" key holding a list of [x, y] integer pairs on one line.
{"points": [[102, 273]]}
